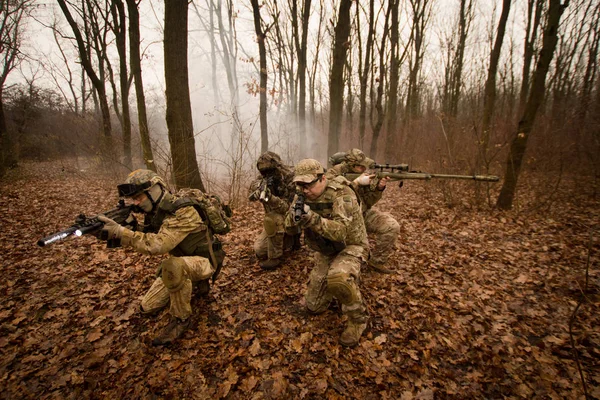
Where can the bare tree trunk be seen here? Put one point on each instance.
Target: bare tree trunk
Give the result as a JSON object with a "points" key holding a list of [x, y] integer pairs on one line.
{"points": [[136, 71], [536, 97], [364, 77], [464, 22], [420, 17], [392, 104], [120, 31], [336, 81], [381, 86], [97, 82], [12, 16], [530, 39], [262, 53], [179, 111], [302, 51], [489, 97]]}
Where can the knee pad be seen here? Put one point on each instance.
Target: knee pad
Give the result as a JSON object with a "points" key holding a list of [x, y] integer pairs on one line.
{"points": [[341, 286], [270, 226], [173, 271]]}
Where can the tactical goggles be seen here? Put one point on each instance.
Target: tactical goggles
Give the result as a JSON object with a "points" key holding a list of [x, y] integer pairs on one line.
{"points": [[310, 184], [131, 189]]}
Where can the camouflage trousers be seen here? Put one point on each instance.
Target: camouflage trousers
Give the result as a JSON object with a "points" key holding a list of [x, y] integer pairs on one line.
{"points": [[174, 286], [384, 231], [337, 276], [269, 244]]}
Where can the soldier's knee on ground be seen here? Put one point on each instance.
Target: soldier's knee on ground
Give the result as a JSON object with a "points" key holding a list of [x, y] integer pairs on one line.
{"points": [[342, 286], [173, 271]]}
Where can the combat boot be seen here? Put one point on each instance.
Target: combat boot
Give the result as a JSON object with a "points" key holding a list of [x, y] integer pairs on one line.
{"points": [[172, 331], [270, 264], [354, 330]]}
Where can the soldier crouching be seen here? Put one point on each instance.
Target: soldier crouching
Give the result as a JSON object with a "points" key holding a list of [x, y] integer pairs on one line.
{"points": [[172, 225], [334, 228]]}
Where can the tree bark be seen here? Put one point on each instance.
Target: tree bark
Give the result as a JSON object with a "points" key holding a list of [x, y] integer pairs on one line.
{"points": [[530, 39], [179, 111], [489, 97], [302, 50], [98, 83], [536, 97], [391, 134], [136, 70], [262, 53], [336, 82], [120, 31], [364, 77]]}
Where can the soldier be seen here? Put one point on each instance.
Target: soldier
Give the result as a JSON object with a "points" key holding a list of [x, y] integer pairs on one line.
{"points": [[275, 189], [334, 228], [172, 225], [382, 226]]}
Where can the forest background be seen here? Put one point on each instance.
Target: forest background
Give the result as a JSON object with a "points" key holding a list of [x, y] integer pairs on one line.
{"points": [[197, 90]]}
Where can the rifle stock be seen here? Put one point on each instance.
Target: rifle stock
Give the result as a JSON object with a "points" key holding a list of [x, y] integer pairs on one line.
{"points": [[400, 176]]}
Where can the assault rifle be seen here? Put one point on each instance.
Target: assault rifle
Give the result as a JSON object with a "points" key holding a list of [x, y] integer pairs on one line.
{"points": [[299, 208], [399, 172], [91, 225], [265, 189]]}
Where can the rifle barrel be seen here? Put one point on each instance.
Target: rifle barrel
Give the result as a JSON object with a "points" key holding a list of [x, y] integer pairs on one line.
{"points": [[57, 236], [399, 176]]}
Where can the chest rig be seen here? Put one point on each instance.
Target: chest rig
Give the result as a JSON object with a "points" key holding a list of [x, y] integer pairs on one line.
{"points": [[194, 244]]}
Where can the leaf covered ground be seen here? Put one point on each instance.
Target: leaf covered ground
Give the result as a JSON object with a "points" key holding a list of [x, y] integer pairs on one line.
{"points": [[479, 308]]}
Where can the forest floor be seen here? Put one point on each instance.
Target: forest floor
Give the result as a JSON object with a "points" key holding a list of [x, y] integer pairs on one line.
{"points": [[480, 306]]}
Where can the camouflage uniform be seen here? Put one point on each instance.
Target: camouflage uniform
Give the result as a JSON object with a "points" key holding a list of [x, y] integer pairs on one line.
{"points": [[269, 245], [183, 235], [335, 231], [382, 226], [172, 225]]}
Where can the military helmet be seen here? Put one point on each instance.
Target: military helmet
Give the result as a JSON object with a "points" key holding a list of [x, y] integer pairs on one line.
{"points": [[138, 181], [268, 160], [337, 158], [357, 157], [307, 170]]}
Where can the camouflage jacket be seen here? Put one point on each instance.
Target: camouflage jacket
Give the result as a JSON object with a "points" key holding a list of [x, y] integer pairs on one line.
{"points": [[282, 192], [337, 218], [180, 232], [368, 195]]}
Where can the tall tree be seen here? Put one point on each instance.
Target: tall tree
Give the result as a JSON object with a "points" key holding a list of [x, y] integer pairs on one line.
{"points": [[392, 104], [135, 62], [12, 17], [534, 16], [489, 97], [261, 36], [301, 48], [86, 60], [381, 84], [421, 10], [119, 29], [336, 80], [456, 63], [536, 97], [364, 74], [179, 110]]}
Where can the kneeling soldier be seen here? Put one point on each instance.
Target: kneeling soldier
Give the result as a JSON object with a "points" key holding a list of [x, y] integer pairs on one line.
{"points": [[172, 225], [334, 228]]}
